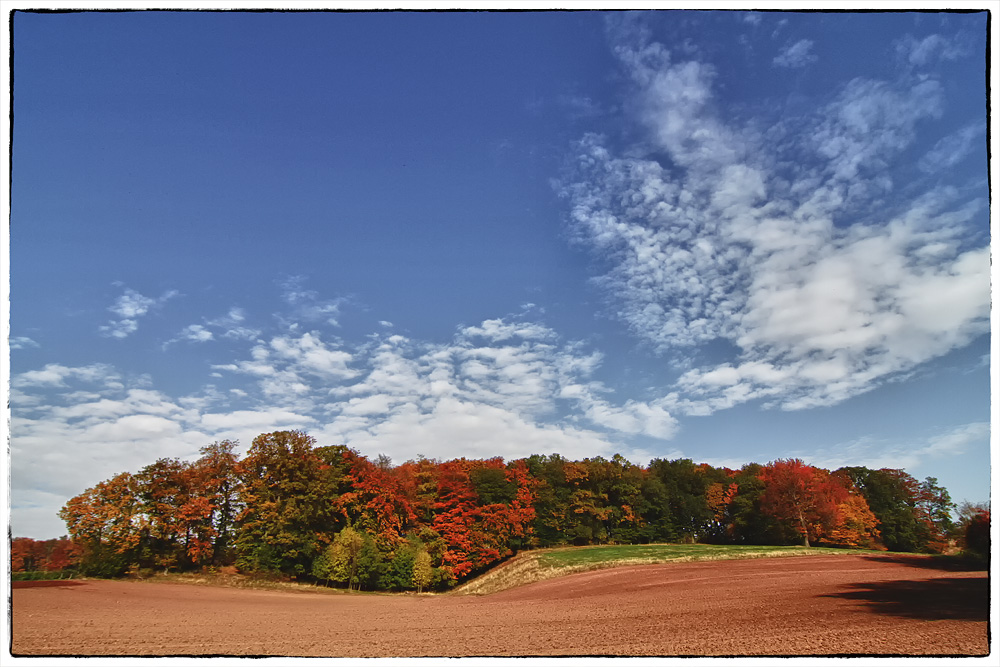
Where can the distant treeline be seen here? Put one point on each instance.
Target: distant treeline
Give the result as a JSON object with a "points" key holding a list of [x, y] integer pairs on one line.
{"points": [[330, 514]]}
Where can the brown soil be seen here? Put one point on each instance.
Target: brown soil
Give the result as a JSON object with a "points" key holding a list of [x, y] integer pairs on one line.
{"points": [[817, 605]]}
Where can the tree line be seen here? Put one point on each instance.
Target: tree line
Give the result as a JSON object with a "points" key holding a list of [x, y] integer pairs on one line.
{"points": [[331, 515]]}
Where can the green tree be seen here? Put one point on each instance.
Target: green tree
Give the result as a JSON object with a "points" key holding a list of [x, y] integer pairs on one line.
{"points": [[687, 513], [400, 572], [935, 507], [750, 524], [371, 564], [287, 495], [553, 518], [492, 486], [322, 566], [893, 497]]}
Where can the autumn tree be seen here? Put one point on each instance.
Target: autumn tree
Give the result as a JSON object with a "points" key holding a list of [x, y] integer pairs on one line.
{"points": [[218, 482], [178, 527], [418, 480], [344, 554], [295, 508], [25, 555], [854, 524], [107, 523], [28, 555], [375, 499], [977, 533], [422, 571], [287, 498], [911, 516], [477, 532], [802, 496], [719, 497]]}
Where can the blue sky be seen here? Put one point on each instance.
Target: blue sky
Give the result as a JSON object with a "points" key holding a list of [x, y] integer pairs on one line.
{"points": [[725, 236]]}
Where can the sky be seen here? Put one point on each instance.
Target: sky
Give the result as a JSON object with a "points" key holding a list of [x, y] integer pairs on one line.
{"points": [[728, 236]]}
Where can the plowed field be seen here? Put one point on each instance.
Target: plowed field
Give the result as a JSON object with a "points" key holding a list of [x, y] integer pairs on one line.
{"points": [[818, 605]]}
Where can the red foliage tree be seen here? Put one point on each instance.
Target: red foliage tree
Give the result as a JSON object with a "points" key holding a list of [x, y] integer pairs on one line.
{"points": [[28, 555], [377, 502], [802, 496], [480, 526]]}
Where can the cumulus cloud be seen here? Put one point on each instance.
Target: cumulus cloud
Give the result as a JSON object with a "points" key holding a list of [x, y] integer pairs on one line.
{"points": [[779, 242], [287, 366], [504, 387], [503, 383], [129, 307], [797, 55], [228, 326], [57, 375], [194, 333], [88, 426]]}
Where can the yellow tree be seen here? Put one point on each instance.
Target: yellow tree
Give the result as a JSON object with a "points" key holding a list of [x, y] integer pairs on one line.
{"points": [[422, 570], [344, 554]]}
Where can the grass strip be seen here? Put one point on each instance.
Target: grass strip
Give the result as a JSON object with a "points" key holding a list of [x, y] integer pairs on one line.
{"points": [[543, 564]]}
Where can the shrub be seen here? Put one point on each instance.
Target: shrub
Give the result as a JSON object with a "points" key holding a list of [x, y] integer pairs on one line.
{"points": [[977, 534]]}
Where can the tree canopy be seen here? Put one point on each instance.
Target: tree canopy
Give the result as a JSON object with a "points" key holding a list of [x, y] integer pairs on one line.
{"points": [[330, 514]]}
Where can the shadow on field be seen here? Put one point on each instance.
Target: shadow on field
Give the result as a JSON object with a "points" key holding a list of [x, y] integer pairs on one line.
{"points": [[945, 563], [958, 598]]}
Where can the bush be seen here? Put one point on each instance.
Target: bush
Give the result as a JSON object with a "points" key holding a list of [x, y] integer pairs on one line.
{"points": [[977, 534]]}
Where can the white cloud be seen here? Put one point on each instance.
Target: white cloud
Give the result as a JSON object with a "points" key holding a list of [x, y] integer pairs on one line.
{"points": [[56, 375], [245, 425], [21, 343], [287, 367], [952, 149], [501, 384], [130, 306], [195, 333], [783, 247], [229, 326], [921, 52], [503, 387], [875, 453], [797, 55], [75, 437], [454, 427], [306, 304]]}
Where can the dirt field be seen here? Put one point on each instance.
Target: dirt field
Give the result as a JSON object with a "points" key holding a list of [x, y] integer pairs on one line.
{"points": [[814, 605]]}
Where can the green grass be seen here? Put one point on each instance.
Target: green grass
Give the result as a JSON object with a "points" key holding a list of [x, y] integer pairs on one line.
{"points": [[604, 556], [531, 566], [40, 575]]}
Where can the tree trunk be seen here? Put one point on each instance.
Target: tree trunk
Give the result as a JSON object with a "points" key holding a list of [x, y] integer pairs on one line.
{"points": [[805, 530]]}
